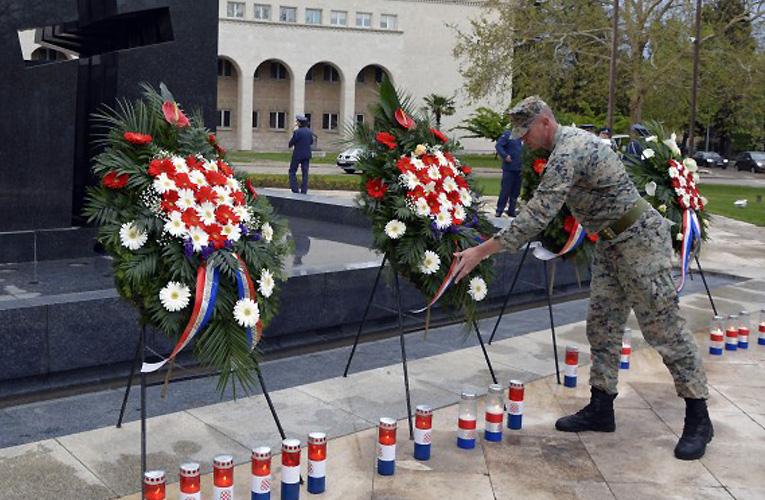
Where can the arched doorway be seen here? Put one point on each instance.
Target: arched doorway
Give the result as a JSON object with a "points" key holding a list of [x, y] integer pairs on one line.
{"points": [[323, 96], [271, 120], [228, 103], [367, 87]]}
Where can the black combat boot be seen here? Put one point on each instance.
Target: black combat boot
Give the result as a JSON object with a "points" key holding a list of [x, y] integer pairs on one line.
{"points": [[596, 416], [697, 432]]}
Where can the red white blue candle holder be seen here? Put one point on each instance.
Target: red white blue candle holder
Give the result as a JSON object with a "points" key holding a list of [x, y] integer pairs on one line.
{"points": [[467, 420], [731, 333], [515, 393], [317, 462], [261, 473], [495, 414], [290, 469], [154, 484], [761, 328], [626, 349], [717, 336], [190, 487], [223, 477], [572, 366], [386, 447], [423, 429], [744, 324]]}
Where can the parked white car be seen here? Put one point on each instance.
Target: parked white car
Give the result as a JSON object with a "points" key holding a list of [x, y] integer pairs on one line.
{"points": [[348, 158]]}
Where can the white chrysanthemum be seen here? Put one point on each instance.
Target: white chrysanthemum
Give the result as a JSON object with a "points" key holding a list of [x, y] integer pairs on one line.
{"points": [[673, 172], [450, 184], [267, 283], [163, 183], [174, 296], [430, 262], [459, 213], [198, 178], [175, 225], [441, 158], [430, 187], [671, 143], [421, 207], [409, 180], [211, 165], [186, 199], [232, 231], [682, 181], [180, 164], [268, 232], [199, 238], [477, 288], [465, 197], [395, 229], [443, 219], [650, 188], [651, 138], [206, 212], [224, 198], [445, 202], [417, 163], [131, 237], [434, 173], [246, 313], [648, 153], [243, 212], [233, 184]]}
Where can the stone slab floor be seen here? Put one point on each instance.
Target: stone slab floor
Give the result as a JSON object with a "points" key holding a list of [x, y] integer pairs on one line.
{"points": [[635, 462]]}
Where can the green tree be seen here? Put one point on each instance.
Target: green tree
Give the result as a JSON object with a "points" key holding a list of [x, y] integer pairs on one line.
{"points": [[440, 106], [485, 123]]}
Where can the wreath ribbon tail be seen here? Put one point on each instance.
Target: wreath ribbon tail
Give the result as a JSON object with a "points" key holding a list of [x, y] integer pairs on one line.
{"points": [[691, 230], [206, 292], [247, 291], [574, 239], [441, 289]]}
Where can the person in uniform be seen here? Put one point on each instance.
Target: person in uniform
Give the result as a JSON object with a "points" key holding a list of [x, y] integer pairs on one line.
{"points": [[509, 150], [301, 141], [631, 268]]}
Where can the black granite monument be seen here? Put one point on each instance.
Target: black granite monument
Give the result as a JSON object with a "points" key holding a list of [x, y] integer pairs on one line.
{"points": [[46, 132]]}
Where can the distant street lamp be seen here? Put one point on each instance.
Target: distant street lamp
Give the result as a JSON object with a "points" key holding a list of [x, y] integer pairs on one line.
{"points": [[695, 90], [612, 70]]}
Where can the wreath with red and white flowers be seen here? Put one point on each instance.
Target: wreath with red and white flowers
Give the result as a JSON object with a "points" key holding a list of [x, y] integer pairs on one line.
{"points": [[195, 249]]}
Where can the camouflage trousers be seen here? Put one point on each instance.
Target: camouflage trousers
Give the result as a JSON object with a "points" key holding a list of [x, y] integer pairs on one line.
{"points": [[633, 271]]}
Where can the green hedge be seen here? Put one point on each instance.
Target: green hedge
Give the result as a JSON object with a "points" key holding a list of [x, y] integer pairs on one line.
{"points": [[323, 182]]}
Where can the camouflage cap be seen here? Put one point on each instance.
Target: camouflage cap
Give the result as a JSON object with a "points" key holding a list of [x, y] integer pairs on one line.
{"points": [[524, 113]]}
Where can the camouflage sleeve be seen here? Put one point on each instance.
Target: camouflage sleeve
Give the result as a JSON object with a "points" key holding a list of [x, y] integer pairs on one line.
{"points": [[543, 206]]}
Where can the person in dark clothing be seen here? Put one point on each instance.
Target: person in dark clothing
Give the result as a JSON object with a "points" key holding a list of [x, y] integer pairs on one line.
{"points": [[302, 140], [509, 150]]}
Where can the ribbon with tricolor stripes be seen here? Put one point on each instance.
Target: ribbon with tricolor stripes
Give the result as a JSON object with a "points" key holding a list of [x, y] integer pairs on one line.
{"points": [[441, 289], [247, 291], [574, 239], [691, 231]]}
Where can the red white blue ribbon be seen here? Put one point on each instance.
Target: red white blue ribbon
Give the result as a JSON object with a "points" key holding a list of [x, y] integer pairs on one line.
{"points": [[691, 231], [247, 291], [441, 289], [574, 239]]}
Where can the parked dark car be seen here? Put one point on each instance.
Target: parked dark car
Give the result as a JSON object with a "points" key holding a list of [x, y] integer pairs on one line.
{"points": [[710, 159], [753, 161]]}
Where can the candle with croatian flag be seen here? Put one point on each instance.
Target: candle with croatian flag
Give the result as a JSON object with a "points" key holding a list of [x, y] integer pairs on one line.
{"points": [[761, 338], [386, 447], [495, 413], [223, 477], [190, 488], [261, 473], [572, 366], [731, 333], [716, 336], [290, 469], [626, 349], [423, 425], [515, 405], [467, 420], [317, 462], [154, 484], [744, 323]]}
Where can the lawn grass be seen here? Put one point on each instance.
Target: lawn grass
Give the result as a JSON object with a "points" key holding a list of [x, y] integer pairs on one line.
{"points": [[481, 161], [722, 196], [341, 182], [285, 157]]}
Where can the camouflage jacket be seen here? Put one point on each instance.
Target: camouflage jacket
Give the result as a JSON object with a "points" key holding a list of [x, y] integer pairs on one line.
{"points": [[582, 172]]}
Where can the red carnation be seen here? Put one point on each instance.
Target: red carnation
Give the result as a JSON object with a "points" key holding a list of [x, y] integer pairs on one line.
{"points": [[453, 196], [539, 165], [387, 139], [164, 166], [174, 115], [251, 188], [194, 163], [206, 193], [216, 236], [461, 182], [215, 178], [239, 197], [467, 170], [191, 218], [417, 192], [223, 167], [182, 181], [113, 180], [449, 157], [167, 206], [435, 207], [404, 164], [137, 138], [376, 188], [225, 214], [569, 224], [171, 196], [441, 137], [403, 119]]}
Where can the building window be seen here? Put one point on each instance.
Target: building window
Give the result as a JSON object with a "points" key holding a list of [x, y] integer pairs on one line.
{"points": [[288, 14], [329, 121], [388, 21], [224, 118], [225, 68], [363, 20], [308, 116], [313, 16], [255, 119], [278, 71], [360, 118], [331, 74], [277, 120], [235, 9], [379, 74], [262, 12], [339, 18], [361, 77]]}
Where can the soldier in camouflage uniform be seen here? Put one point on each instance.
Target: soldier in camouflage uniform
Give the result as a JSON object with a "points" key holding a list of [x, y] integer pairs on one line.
{"points": [[631, 269]]}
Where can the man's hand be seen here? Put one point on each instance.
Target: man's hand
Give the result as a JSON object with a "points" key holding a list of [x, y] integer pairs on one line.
{"points": [[468, 259], [508, 158]]}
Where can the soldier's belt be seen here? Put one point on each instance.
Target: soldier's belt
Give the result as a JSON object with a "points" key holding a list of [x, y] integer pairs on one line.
{"points": [[625, 221]]}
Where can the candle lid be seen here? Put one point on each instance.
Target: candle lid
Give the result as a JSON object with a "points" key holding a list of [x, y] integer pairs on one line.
{"points": [[154, 477], [387, 423], [190, 469], [317, 438], [495, 389], [291, 445], [468, 394], [423, 410], [516, 384], [223, 462], [572, 347], [261, 453]]}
